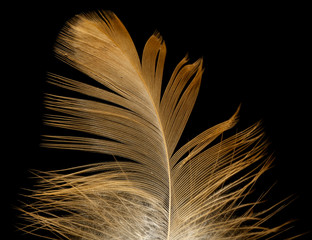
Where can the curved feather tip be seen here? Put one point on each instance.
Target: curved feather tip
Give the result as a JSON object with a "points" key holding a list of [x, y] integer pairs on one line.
{"points": [[195, 192]]}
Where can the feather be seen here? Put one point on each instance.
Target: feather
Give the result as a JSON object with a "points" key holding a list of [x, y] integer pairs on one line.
{"points": [[156, 189]]}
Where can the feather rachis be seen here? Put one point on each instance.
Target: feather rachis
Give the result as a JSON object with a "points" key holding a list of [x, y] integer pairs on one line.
{"points": [[161, 193]]}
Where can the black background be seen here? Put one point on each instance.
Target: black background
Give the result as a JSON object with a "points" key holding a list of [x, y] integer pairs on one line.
{"points": [[257, 55]]}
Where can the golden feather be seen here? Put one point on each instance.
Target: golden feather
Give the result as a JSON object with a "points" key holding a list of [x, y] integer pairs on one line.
{"points": [[194, 192]]}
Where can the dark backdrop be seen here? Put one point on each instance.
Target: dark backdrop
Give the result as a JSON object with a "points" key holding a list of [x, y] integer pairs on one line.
{"points": [[256, 55]]}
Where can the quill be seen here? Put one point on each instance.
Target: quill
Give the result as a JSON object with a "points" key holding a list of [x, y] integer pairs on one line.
{"points": [[197, 191]]}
